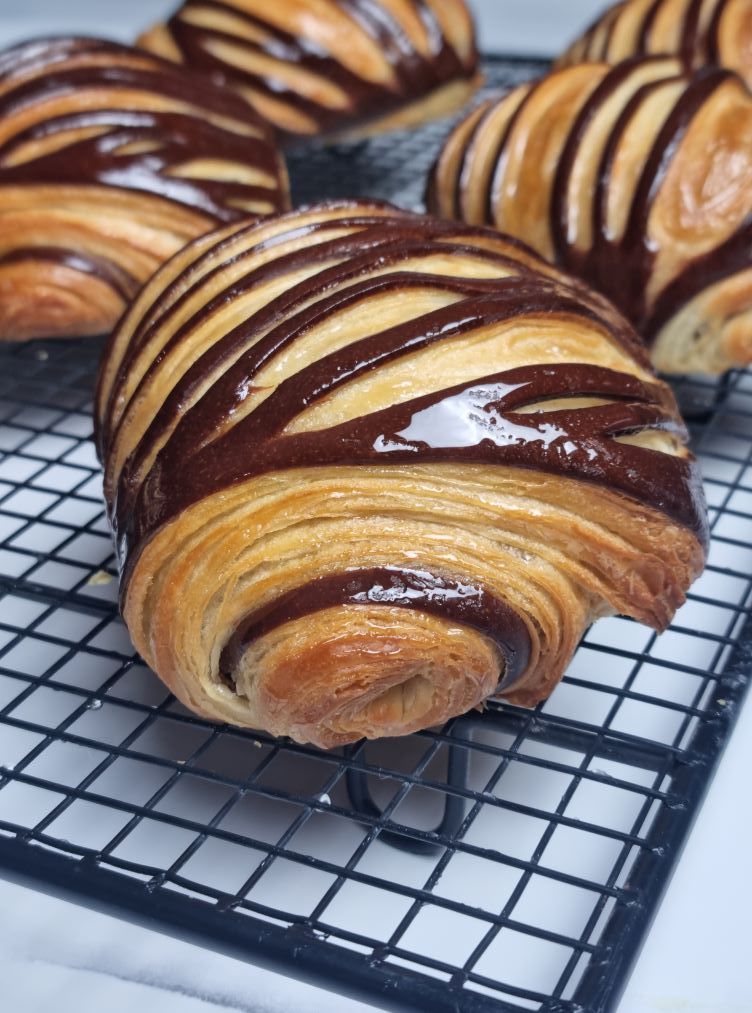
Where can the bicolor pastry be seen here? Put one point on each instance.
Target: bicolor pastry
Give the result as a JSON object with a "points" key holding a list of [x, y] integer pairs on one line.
{"points": [[110, 161], [367, 469], [330, 68], [637, 178], [701, 33]]}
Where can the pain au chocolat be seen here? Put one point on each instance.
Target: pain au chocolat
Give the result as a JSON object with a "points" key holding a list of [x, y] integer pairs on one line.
{"points": [[700, 32], [637, 178], [367, 469], [110, 161], [330, 67]]}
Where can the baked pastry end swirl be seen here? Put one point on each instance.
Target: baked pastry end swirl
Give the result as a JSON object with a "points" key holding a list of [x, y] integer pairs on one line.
{"points": [[367, 469], [638, 179], [111, 160]]}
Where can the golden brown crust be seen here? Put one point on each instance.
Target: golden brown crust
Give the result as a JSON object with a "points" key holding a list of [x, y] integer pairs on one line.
{"points": [[367, 469], [110, 161], [331, 68], [67, 303], [637, 178], [700, 33]]}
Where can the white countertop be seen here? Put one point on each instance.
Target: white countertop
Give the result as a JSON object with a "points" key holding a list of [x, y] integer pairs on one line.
{"points": [[57, 956]]}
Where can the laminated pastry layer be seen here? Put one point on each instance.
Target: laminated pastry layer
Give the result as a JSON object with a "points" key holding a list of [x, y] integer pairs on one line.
{"points": [[330, 67], [638, 179], [111, 160], [367, 469], [701, 33]]}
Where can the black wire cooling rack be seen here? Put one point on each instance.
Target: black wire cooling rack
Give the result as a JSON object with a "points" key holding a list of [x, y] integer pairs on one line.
{"points": [[511, 861]]}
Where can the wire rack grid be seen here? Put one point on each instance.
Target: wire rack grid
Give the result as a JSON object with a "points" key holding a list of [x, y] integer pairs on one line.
{"points": [[510, 861]]}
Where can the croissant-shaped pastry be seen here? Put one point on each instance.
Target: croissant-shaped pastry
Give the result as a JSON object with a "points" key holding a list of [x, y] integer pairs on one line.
{"points": [[330, 67], [700, 32], [637, 178], [110, 161], [367, 469]]}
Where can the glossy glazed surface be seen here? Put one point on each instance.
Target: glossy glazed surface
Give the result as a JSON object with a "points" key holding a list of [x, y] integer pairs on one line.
{"points": [[701, 33], [110, 161], [367, 468], [328, 67], [638, 179]]}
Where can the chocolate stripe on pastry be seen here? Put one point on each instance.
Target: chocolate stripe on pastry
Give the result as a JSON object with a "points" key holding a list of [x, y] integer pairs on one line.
{"points": [[367, 468], [467, 604], [638, 179], [110, 161], [335, 67], [124, 284], [699, 32]]}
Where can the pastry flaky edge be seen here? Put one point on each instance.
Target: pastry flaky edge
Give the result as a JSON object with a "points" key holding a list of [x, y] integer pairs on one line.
{"points": [[367, 469], [331, 69], [701, 33], [111, 160], [637, 178]]}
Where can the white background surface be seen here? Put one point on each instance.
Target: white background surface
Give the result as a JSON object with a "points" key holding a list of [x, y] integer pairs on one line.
{"points": [[530, 26], [54, 956]]}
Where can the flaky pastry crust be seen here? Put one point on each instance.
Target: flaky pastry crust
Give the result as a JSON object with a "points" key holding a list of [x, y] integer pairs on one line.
{"points": [[637, 178], [367, 469], [330, 68], [701, 33], [111, 160]]}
